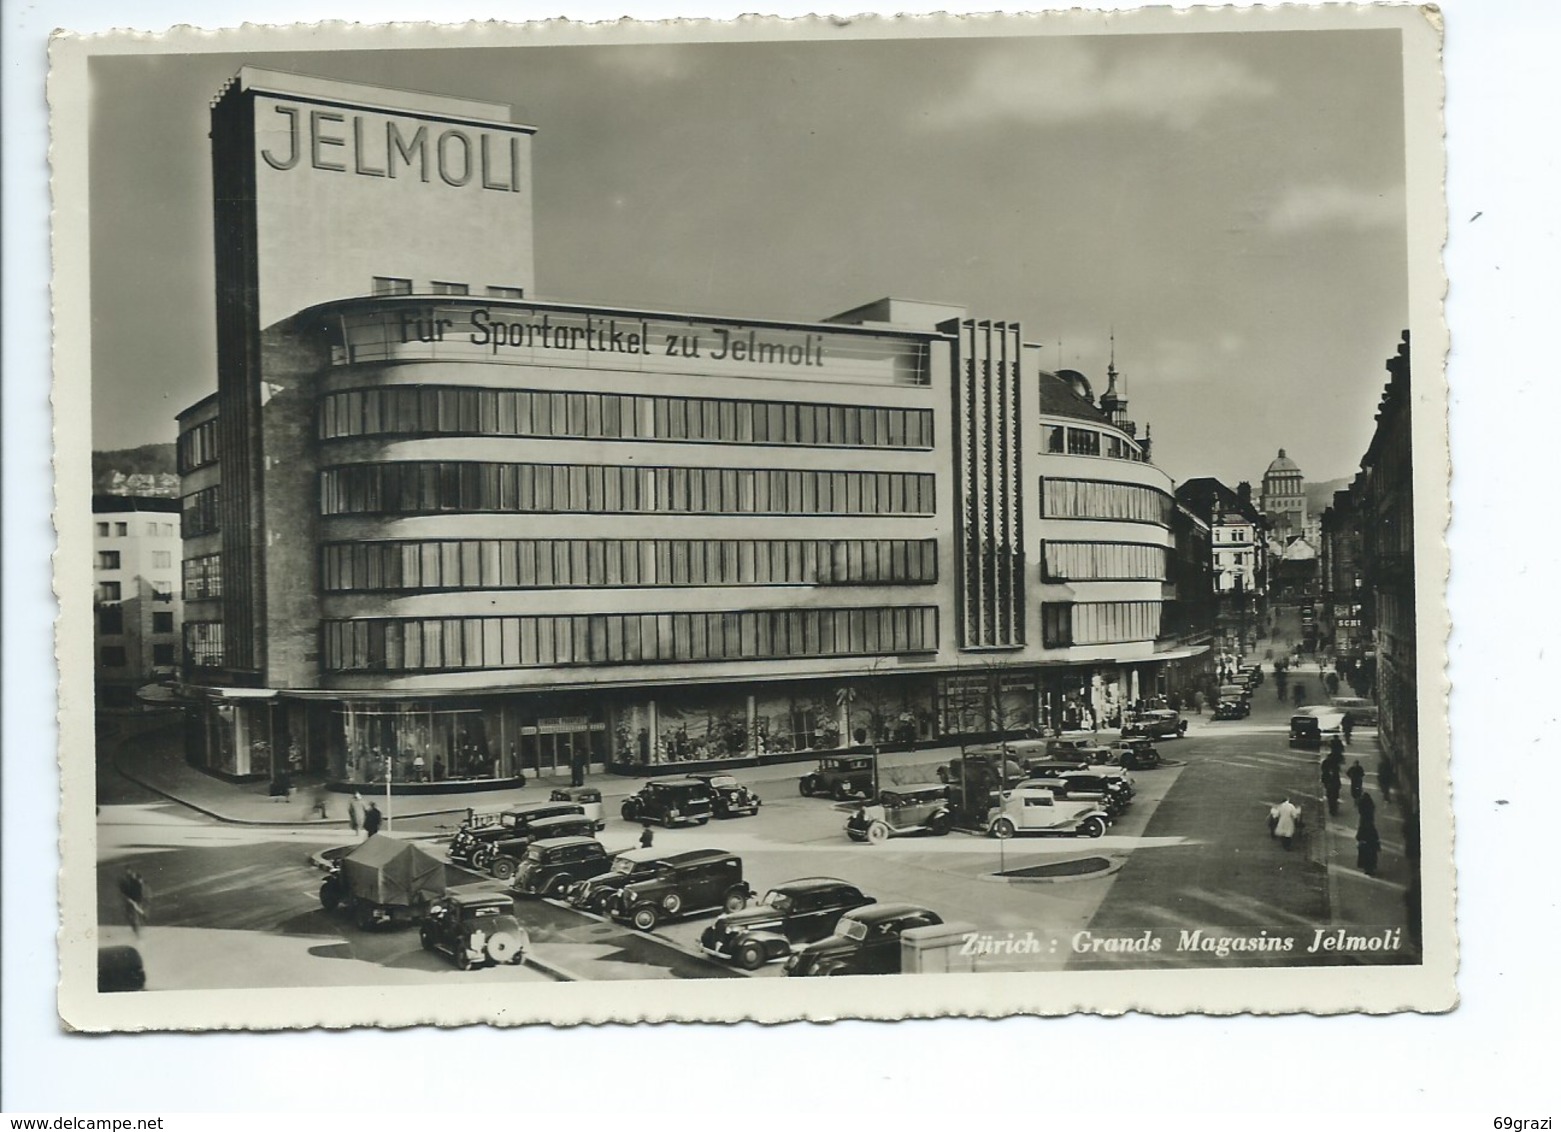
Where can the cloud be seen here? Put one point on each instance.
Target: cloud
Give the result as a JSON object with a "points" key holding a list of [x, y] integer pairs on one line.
{"points": [[1305, 208], [1073, 83]]}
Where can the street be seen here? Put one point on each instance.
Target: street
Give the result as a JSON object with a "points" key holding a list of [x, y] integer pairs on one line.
{"points": [[1192, 857]]}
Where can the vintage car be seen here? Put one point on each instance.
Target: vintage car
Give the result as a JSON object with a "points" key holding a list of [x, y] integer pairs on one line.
{"points": [[1235, 692], [841, 777], [1361, 713], [670, 801], [500, 859], [1035, 809], [1108, 787], [797, 912], [594, 893], [905, 809], [478, 828], [1316, 726], [589, 798], [474, 929], [728, 797], [1160, 724], [1075, 748], [701, 881], [1132, 754], [981, 767], [866, 941], [1253, 674], [1232, 707], [552, 865]]}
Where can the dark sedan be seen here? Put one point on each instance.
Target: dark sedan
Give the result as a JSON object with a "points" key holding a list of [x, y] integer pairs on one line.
{"points": [[866, 942], [797, 912]]}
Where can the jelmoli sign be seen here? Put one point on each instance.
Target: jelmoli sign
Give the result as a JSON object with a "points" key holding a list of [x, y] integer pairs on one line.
{"points": [[299, 137]]}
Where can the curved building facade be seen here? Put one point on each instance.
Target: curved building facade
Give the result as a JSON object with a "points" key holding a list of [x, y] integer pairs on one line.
{"points": [[461, 534]]}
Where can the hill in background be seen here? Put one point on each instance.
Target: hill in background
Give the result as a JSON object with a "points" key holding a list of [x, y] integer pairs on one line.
{"points": [[151, 469]]}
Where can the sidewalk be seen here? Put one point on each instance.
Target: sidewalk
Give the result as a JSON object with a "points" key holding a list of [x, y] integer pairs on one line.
{"points": [[155, 761]]}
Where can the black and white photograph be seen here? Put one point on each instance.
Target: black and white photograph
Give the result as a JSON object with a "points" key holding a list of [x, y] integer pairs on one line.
{"points": [[702, 509]]}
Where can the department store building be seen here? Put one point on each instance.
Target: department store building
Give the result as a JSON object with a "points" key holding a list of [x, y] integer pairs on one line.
{"points": [[446, 531]]}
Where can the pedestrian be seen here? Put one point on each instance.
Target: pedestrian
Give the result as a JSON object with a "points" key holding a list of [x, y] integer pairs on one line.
{"points": [[135, 895], [1336, 751], [1368, 845], [577, 768], [1357, 776], [1387, 777], [1300, 695], [371, 820], [647, 836], [1284, 820], [1197, 701], [1348, 725], [1331, 785], [1367, 806], [355, 813]]}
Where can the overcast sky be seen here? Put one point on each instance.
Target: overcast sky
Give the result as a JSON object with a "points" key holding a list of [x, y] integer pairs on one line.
{"points": [[1232, 204]]}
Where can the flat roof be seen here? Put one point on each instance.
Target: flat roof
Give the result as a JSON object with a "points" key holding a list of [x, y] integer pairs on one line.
{"points": [[367, 97]]}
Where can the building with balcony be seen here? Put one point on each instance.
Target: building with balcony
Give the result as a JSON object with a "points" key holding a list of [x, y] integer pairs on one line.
{"points": [[446, 532], [136, 605]]}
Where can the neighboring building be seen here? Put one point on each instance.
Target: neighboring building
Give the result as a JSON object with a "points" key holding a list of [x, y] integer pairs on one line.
{"points": [[136, 607], [1283, 502], [1342, 582], [446, 530], [1191, 604], [1294, 571], [1240, 557]]}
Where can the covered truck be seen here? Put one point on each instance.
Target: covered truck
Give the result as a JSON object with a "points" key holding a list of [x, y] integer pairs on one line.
{"points": [[384, 880]]}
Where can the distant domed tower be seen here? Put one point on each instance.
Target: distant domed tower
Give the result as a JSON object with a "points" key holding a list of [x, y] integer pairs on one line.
{"points": [[1284, 496]]}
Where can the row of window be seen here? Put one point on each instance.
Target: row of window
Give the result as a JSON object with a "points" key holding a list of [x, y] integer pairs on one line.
{"points": [[426, 487], [200, 513], [394, 285], [442, 410], [1102, 562], [447, 564], [122, 530], [203, 577], [198, 446], [203, 643], [1064, 624], [422, 645], [115, 591], [109, 559], [1087, 442], [114, 656], [1099, 499], [111, 621]]}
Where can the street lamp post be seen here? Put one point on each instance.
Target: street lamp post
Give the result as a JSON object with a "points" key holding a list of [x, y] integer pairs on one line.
{"points": [[390, 767]]}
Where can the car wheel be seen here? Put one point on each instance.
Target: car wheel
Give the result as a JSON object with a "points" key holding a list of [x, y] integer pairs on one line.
{"points": [[735, 900], [627, 811], [1094, 827], [557, 888], [504, 948], [805, 787], [877, 833], [842, 792], [330, 894], [673, 904], [940, 824], [750, 956], [483, 856], [1003, 829], [644, 918], [503, 868], [425, 936]]}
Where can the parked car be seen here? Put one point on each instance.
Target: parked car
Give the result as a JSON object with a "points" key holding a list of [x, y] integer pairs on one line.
{"points": [[1035, 809], [1076, 748], [1162, 723], [474, 928], [594, 893], [500, 859], [1237, 707], [589, 799], [1362, 713], [676, 887], [670, 801], [1253, 673], [905, 809], [797, 912], [841, 777], [866, 941], [1132, 754], [552, 865], [982, 769], [1235, 692], [479, 829], [1107, 787], [728, 797]]}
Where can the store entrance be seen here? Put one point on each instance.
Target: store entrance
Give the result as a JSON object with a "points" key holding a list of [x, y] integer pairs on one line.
{"points": [[550, 747]]}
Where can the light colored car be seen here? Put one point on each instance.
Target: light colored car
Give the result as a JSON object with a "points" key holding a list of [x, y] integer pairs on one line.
{"points": [[1034, 809], [1362, 713], [911, 809]]}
